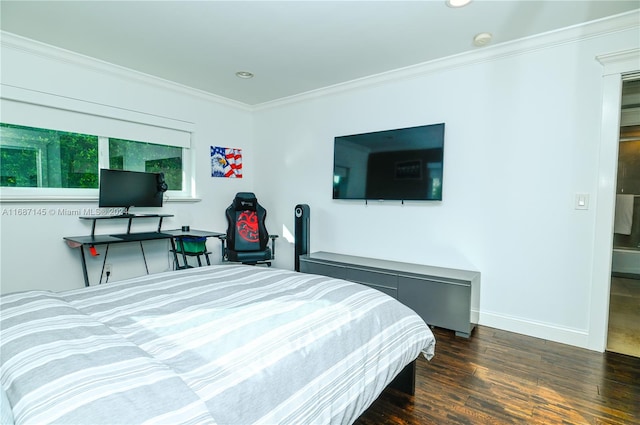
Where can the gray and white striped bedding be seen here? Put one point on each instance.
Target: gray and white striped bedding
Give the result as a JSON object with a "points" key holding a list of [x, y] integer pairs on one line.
{"points": [[221, 345]]}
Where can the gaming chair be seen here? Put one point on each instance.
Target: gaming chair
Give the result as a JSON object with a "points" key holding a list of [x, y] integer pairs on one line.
{"points": [[247, 239]]}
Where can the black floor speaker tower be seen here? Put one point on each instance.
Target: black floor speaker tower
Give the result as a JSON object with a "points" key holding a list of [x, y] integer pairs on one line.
{"points": [[301, 233]]}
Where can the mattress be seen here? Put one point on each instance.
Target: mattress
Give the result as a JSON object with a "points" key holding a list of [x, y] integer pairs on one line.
{"points": [[225, 344]]}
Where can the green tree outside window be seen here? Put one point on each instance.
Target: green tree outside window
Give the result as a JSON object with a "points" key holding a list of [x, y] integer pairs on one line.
{"points": [[36, 157], [148, 157]]}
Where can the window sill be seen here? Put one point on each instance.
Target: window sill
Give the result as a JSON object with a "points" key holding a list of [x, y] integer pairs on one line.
{"points": [[74, 199]]}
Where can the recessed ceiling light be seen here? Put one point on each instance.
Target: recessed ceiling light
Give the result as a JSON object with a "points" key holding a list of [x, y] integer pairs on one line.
{"points": [[482, 39], [244, 74], [457, 3]]}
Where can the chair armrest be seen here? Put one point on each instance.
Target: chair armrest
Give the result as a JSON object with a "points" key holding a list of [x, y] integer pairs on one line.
{"points": [[273, 245], [223, 239]]}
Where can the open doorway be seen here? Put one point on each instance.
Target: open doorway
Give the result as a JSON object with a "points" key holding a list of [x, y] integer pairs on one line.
{"points": [[624, 306]]}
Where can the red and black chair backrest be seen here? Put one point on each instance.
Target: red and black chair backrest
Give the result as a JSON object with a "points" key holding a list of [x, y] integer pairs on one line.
{"points": [[246, 230]]}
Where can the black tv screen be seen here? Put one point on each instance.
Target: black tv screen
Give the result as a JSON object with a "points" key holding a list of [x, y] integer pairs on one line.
{"points": [[125, 189], [402, 164]]}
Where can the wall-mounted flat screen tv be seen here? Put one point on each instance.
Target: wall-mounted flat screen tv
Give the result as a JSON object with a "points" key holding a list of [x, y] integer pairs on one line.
{"points": [[402, 164], [125, 189]]}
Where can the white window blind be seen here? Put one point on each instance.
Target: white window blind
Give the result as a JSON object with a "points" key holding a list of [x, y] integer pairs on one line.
{"points": [[42, 110]]}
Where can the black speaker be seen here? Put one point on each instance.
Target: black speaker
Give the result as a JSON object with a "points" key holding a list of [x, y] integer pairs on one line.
{"points": [[301, 233], [162, 185]]}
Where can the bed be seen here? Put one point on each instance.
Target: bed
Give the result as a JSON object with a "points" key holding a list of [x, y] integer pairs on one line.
{"points": [[225, 344]]}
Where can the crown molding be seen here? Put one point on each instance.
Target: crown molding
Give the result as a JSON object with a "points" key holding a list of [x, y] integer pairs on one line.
{"points": [[551, 39], [620, 62], [19, 43], [573, 34]]}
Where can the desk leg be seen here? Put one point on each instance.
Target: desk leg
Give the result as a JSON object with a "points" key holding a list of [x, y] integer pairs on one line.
{"points": [[176, 265], [222, 240], [144, 258], [84, 266], [104, 263]]}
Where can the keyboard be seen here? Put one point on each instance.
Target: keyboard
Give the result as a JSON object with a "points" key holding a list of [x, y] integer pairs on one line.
{"points": [[142, 236]]}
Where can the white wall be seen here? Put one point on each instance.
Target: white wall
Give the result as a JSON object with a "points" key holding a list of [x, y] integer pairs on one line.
{"points": [[33, 254], [521, 140]]}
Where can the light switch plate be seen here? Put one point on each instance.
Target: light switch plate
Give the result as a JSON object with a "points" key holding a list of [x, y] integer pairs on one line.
{"points": [[582, 201]]}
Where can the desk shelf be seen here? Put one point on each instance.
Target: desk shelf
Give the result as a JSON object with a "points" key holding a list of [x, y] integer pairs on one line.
{"points": [[130, 217]]}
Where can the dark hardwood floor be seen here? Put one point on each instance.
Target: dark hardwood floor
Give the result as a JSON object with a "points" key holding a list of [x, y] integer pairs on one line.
{"points": [[498, 377]]}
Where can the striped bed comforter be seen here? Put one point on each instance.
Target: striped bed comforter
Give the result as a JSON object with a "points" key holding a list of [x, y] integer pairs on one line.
{"points": [[224, 344]]}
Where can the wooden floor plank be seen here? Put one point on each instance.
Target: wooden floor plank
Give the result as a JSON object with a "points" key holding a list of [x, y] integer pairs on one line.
{"points": [[499, 377]]}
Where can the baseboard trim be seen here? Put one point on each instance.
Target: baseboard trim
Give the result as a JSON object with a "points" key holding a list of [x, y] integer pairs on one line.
{"points": [[547, 331]]}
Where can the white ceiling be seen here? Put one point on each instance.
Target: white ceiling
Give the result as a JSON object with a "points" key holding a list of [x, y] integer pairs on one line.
{"points": [[292, 47]]}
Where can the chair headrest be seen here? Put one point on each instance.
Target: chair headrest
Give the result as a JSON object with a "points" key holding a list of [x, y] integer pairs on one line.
{"points": [[245, 201]]}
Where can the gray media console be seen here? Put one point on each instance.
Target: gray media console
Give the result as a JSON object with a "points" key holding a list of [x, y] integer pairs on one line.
{"points": [[446, 298]]}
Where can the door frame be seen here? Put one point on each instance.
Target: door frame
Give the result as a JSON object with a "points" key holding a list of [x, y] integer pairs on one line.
{"points": [[617, 67]]}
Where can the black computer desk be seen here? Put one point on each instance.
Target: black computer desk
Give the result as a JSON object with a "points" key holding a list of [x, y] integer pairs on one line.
{"points": [[91, 240]]}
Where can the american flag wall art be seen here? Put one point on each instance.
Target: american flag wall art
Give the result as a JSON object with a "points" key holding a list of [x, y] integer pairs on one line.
{"points": [[226, 162]]}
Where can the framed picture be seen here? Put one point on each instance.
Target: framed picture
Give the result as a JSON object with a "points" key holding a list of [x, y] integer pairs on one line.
{"points": [[226, 162]]}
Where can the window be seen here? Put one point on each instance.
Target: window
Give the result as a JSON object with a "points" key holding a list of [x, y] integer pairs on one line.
{"points": [[41, 158], [36, 157], [21, 166], [151, 158], [52, 147]]}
